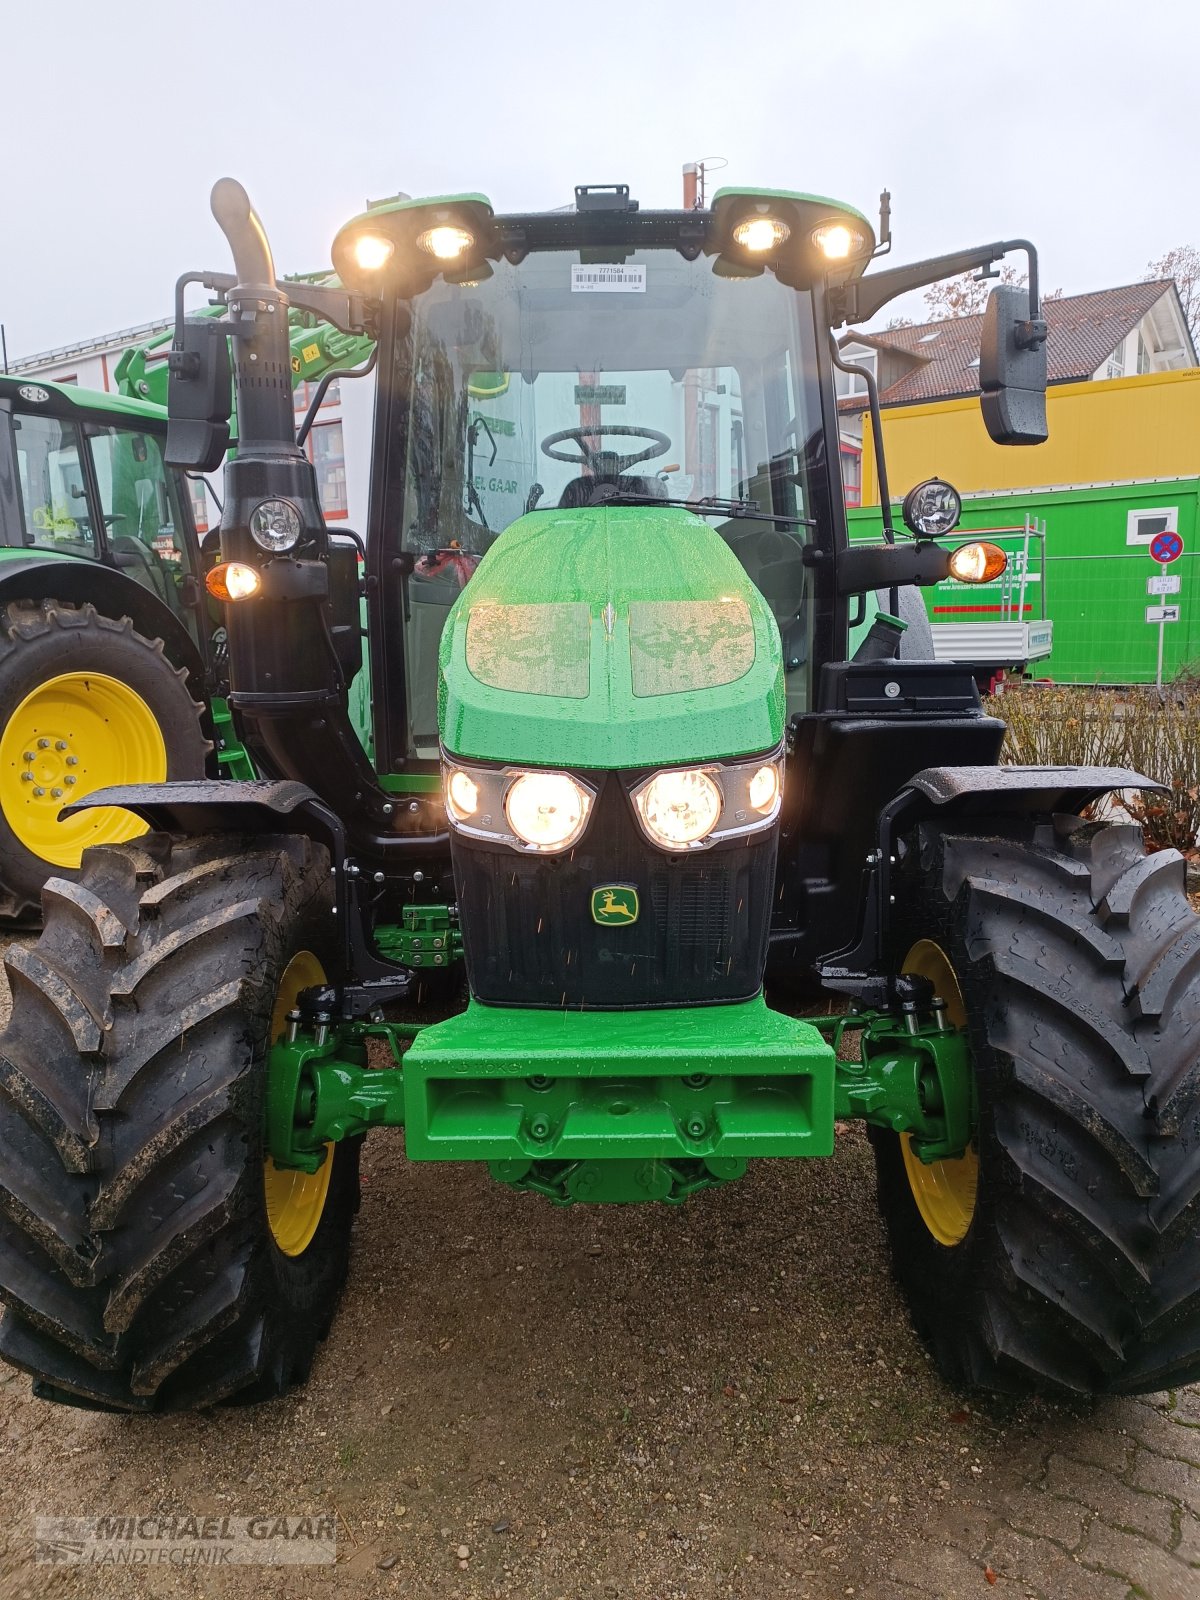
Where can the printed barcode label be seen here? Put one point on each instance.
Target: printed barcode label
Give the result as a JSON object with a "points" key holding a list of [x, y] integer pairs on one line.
{"points": [[608, 279]]}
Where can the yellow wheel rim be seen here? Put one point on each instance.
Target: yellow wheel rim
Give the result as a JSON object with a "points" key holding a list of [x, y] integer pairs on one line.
{"points": [[295, 1200], [76, 733], [944, 1191]]}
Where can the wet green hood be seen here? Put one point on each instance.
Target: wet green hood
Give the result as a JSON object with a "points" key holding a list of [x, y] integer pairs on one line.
{"points": [[610, 637]]}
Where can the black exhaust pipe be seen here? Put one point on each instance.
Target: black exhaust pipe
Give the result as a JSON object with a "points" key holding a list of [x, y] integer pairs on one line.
{"points": [[285, 679]]}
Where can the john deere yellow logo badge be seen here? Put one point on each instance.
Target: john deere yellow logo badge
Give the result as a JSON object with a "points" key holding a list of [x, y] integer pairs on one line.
{"points": [[614, 904]]}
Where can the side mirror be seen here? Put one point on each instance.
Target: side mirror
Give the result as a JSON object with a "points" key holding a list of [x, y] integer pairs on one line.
{"points": [[199, 397], [1012, 369]]}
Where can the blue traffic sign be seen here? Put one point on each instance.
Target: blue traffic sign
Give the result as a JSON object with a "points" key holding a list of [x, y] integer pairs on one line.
{"points": [[1166, 547]]}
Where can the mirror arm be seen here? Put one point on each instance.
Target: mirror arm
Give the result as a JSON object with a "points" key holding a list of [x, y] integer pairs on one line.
{"points": [[885, 499], [860, 299]]}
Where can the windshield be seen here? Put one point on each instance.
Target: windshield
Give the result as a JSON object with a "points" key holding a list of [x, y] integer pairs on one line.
{"points": [[560, 381]]}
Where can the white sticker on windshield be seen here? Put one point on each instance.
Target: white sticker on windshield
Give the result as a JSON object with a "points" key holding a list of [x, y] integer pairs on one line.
{"points": [[603, 279]]}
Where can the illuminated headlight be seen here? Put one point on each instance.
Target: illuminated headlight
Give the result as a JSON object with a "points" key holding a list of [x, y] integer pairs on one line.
{"points": [[679, 809], [547, 810], [462, 795], [525, 808], [691, 808], [371, 252], [447, 243], [275, 525], [837, 242], [759, 234]]}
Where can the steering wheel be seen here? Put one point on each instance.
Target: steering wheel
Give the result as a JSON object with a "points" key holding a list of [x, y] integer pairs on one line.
{"points": [[615, 464]]}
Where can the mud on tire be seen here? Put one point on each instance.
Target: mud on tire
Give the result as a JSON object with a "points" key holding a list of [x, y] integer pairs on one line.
{"points": [[137, 1266], [1079, 961]]}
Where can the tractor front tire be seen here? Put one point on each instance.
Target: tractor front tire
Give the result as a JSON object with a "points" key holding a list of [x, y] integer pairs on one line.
{"points": [[151, 1258], [85, 701], [1062, 1254]]}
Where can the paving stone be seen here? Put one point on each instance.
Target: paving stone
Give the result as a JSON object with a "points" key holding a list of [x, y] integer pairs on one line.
{"points": [[968, 1527], [941, 1570], [1099, 1441], [1046, 1516], [1115, 1501], [1037, 1562], [1158, 1575], [1167, 1475], [1187, 1406], [1188, 1548]]}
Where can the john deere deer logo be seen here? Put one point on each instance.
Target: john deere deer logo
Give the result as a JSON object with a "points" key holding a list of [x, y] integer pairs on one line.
{"points": [[614, 904]]}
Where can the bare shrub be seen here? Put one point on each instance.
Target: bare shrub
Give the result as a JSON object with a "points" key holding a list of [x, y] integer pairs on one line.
{"points": [[1158, 736]]}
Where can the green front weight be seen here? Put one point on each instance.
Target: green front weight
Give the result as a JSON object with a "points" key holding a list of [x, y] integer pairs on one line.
{"points": [[620, 1105]]}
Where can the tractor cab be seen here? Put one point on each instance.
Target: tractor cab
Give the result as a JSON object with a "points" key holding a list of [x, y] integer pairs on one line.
{"points": [[562, 372]]}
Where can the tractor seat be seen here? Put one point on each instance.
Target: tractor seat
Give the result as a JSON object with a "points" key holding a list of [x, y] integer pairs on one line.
{"points": [[579, 491]]}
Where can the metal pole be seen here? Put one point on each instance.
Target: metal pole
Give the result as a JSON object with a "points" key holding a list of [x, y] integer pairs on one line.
{"points": [[1162, 628], [4, 346]]}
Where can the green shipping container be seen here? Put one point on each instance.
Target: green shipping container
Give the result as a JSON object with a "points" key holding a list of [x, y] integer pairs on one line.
{"points": [[1090, 583]]}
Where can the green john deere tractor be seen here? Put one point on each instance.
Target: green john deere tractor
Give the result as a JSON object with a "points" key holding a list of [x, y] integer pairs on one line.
{"points": [[111, 669], [653, 748]]}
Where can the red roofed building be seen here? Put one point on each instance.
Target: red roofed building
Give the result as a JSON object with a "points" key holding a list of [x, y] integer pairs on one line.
{"points": [[1110, 333]]}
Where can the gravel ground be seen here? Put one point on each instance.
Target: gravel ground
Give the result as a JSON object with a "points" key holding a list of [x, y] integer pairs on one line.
{"points": [[721, 1399]]}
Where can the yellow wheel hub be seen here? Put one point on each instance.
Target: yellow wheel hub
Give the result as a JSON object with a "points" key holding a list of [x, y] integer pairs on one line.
{"points": [[295, 1200], [944, 1191], [75, 733]]}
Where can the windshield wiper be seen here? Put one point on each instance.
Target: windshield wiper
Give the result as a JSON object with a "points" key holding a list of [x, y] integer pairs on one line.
{"points": [[709, 505]]}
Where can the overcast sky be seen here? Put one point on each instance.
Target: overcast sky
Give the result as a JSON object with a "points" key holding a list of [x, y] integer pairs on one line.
{"points": [[1074, 122]]}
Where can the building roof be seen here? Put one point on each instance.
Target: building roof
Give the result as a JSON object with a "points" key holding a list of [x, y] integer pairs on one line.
{"points": [[1082, 332]]}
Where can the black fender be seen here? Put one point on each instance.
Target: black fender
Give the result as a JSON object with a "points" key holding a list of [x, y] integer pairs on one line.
{"points": [[273, 806], [38, 577], [945, 792]]}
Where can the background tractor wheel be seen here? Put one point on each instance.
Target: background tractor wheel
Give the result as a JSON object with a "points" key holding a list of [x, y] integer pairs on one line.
{"points": [[85, 701], [1062, 1253], [150, 1258]]}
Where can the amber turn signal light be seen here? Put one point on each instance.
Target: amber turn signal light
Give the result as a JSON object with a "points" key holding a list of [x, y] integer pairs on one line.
{"points": [[233, 580], [977, 563]]}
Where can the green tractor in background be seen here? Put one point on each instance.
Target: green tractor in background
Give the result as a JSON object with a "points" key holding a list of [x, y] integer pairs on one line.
{"points": [[650, 761], [111, 652]]}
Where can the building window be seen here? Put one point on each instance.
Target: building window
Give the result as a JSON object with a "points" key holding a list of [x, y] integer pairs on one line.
{"points": [[305, 393], [1116, 363], [1143, 355], [851, 474], [199, 505], [328, 455], [850, 383], [1141, 526]]}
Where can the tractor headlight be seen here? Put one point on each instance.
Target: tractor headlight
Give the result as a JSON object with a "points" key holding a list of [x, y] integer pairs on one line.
{"points": [[760, 233], [691, 808], [372, 252], [525, 808], [446, 242], [275, 525], [679, 809], [837, 242], [547, 810]]}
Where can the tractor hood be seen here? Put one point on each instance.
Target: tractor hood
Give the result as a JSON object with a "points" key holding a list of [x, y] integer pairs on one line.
{"points": [[610, 637]]}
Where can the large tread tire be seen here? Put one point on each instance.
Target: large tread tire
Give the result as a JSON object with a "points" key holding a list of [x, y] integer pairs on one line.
{"points": [[1079, 962], [138, 1271], [42, 640]]}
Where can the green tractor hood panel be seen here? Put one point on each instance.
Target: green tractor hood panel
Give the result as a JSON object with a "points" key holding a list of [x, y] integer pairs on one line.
{"points": [[610, 637]]}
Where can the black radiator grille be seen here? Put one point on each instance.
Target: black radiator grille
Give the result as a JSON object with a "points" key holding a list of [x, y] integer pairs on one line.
{"points": [[530, 939]]}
